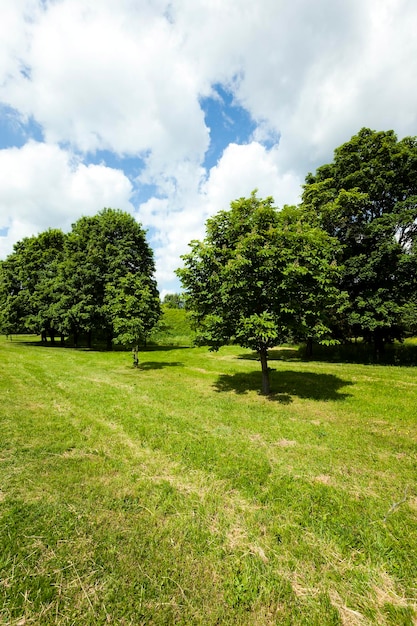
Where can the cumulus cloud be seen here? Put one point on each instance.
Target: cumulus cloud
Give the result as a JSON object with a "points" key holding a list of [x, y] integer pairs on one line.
{"points": [[110, 76], [129, 77], [45, 186], [241, 169]]}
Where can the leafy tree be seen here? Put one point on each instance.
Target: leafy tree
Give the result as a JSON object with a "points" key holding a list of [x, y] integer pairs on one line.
{"points": [[258, 275], [100, 251], [28, 283], [173, 301], [367, 199], [133, 306]]}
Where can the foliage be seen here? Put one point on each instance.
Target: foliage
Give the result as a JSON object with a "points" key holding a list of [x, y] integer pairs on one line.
{"points": [[62, 283], [367, 199], [29, 284], [258, 275], [133, 307], [173, 301], [100, 251]]}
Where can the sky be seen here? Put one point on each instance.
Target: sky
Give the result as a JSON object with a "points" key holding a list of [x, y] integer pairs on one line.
{"points": [[171, 109]]}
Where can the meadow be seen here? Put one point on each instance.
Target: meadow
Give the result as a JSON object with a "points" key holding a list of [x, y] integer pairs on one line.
{"points": [[176, 494]]}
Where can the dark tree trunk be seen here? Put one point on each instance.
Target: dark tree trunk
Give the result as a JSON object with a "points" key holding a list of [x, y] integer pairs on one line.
{"points": [[135, 352], [89, 338], [43, 336], [109, 341], [379, 344], [263, 355], [309, 347], [75, 334], [52, 336], [62, 340]]}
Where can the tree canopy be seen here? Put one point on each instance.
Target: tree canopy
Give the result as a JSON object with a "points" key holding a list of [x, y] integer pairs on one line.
{"points": [[367, 199], [28, 286], [258, 275], [55, 283]]}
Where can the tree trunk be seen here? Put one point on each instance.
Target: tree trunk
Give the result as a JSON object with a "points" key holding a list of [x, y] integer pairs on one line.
{"points": [[263, 354], [135, 352], [109, 341], [89, 338], [379, 344], [309, 347]]}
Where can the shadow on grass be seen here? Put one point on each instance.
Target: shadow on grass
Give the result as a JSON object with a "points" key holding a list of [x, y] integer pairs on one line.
{"points": [[286, 384], [159, 365], [98, 347]]}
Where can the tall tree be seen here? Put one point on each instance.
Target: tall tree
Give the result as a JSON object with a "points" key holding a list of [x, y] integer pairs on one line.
{"points": [[100, 251], [258, 275], [367, 199], [29, 282]]}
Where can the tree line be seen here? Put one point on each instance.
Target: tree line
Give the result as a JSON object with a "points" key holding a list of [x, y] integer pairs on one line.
{"points": [[340, 265]]}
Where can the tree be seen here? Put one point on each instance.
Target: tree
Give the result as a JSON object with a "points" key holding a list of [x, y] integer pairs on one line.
{"points": [[258, 275], [367, 199], [28, 283], [133, 306], [173, 301], [100, 252]]}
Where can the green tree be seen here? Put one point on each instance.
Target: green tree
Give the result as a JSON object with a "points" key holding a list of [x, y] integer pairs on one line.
{"points": [[100, 251], [173, 301], [259, 275], [133, 306], [28, 283], [367, 199]]}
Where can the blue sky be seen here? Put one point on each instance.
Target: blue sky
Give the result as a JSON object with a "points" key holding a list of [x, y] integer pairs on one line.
{"points": [[170, 109]]}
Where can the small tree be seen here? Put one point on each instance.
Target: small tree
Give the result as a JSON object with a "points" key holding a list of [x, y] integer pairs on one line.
{"points": [[259, 275], [173, 301], [133, 306]]}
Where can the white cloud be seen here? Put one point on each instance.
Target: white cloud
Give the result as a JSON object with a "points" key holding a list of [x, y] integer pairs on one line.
{"points": [[43, 186], [110, 76], [333, 68], [15, 31], [128, 76], [241, 169]]}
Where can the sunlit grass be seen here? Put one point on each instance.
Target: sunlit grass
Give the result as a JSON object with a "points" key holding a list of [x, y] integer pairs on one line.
{"points": [[177, 494]]}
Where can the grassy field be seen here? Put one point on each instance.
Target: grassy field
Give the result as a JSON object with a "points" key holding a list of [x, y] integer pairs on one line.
{"points": [[176, 494]]}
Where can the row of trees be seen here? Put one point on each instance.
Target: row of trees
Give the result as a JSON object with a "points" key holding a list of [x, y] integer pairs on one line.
{"points": [[342, 264], [97, 279]]}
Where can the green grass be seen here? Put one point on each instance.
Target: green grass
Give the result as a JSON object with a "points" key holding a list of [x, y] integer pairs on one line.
{"points": [[176, 494], [173, 329]]}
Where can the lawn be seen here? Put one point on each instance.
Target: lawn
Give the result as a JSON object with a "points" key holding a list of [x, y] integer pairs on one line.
{"points": [[176, 494]]}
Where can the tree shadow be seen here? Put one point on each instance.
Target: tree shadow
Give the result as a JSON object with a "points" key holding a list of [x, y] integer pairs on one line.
{"points": [[37, 343], [158, 365], [285, 385]]}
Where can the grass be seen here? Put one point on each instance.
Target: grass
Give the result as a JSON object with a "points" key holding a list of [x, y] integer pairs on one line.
{"points": [[176, 494]]}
